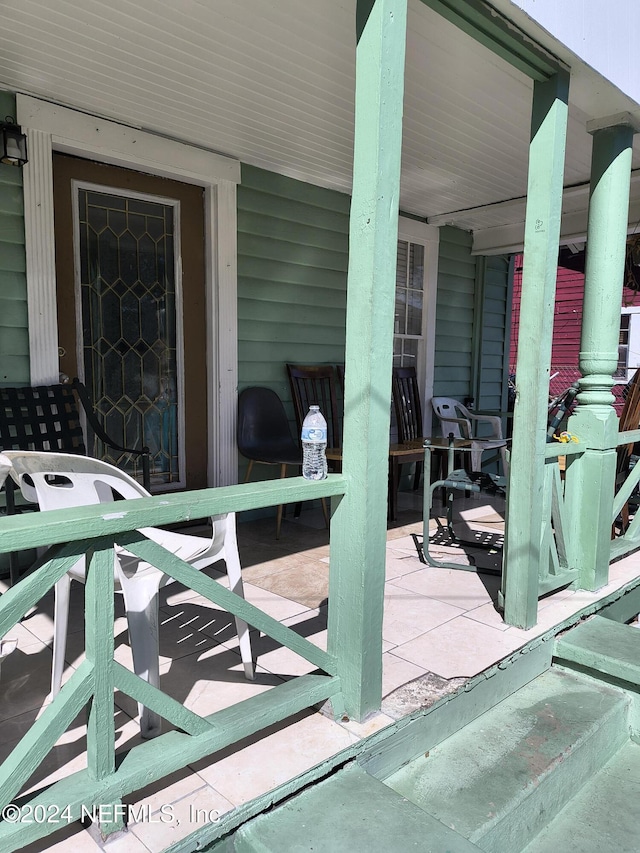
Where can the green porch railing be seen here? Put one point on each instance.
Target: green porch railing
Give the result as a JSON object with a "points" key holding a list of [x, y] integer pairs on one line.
{"points": [[629, 540], [557, 565], [558, 557], [94, 531]]}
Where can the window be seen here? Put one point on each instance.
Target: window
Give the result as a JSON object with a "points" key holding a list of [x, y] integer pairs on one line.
{"points": [[628, 343], [623, 347], [415, 304], [408, 322]]}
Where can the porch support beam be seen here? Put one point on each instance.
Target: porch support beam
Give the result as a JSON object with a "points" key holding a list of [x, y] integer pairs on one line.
{"points": [[524, 523], [358, 534], [483, 23], [99, 619], [590, 480]]}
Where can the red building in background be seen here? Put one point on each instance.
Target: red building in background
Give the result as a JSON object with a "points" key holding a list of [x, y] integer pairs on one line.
{"points": [[567, 327]]}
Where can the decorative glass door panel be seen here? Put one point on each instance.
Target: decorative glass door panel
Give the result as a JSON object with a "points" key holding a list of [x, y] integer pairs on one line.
{"points": [[127, 288], [132, 310]]}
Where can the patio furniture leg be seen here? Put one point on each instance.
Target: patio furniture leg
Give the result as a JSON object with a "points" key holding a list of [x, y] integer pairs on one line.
{"points": [[416, 477], [283, 473], [141, 602], [394, 482], [60, 623], [234, 573], [10, 509], [451, 485]]}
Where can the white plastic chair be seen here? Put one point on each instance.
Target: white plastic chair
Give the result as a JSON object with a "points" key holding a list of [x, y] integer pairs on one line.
{"points": [[5, 468], [457, 419], [80, 481]]}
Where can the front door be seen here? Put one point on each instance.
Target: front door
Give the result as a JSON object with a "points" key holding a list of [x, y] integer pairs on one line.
{"points": [[131, 310]]}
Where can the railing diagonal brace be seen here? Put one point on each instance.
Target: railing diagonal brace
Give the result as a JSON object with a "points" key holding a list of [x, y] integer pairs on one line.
{"points": [[29, 753], [625, 491], [48, 569], [201, 583], [153, 698], [559, 519]]}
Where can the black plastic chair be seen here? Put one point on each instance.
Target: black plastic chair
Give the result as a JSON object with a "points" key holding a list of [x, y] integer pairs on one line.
{"points": [[264, 434]]}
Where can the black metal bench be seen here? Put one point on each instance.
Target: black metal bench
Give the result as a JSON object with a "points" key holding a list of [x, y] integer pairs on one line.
{"points": [[47, 417]]}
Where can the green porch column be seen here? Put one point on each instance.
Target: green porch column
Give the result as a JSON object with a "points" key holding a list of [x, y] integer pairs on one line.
{"points": [[590, 479], [358, 534], [522, 553]]}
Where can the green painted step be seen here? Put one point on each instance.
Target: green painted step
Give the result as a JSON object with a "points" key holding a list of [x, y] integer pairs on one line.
{"points": [[351, 811], [603, 816], [604, 646], [502, 778]]}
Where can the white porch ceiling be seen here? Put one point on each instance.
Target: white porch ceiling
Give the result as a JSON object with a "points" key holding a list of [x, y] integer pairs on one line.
{"points": [[272, 83]]}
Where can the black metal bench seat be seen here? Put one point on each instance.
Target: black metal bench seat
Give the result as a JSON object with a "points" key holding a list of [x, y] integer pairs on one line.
{"points": [[47, 417]]}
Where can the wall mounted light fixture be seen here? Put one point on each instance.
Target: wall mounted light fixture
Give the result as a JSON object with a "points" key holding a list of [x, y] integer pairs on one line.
{"points": [[13, 143]]}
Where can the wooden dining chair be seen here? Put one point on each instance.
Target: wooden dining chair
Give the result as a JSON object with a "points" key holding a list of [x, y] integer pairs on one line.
{"points": [[407, 405], [408, 411], [315, 385]]}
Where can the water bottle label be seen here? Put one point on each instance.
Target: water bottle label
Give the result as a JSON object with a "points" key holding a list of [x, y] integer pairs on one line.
{"points": [[316, 434]]}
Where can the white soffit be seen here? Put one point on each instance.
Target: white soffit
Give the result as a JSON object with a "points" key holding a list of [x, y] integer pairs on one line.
{"points": [[272, 84]]}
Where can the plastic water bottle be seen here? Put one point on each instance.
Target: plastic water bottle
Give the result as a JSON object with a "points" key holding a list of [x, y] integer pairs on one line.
{"points": [[314, 445]]}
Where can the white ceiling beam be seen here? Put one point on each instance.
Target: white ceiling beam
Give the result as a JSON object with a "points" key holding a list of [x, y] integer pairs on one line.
{"points": [[509, 236], [509, 239], [505, 206]]}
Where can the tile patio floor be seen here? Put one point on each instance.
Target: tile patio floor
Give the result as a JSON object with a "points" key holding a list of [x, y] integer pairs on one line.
{"points": [[441, 627]]}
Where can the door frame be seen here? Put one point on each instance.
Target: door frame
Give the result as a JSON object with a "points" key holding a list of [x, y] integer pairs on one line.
{"points": [[50, 128]]}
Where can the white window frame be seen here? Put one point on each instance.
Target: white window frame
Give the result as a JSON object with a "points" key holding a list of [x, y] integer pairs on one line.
{"points": [[50, 128], [428, 236], [633, 343]]}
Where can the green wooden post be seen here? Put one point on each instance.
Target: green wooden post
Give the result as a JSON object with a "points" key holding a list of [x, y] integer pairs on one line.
{"points": [[524, 522], [99, 618], [358, 535], [590, 479]]}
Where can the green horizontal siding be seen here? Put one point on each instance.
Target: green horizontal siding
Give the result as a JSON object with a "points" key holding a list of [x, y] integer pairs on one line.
{"points": [[471, 323], [14, 334], [292, 277], [494, 320], [455, 313], [293, 241], [11, 201]]}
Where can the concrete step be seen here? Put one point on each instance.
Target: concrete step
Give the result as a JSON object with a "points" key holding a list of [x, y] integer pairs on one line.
{"points": [[503, 777], [351, 811], [603, 646], [603, 816]]}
